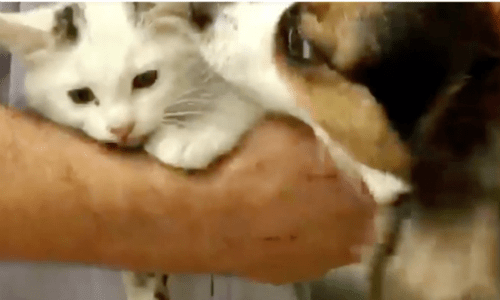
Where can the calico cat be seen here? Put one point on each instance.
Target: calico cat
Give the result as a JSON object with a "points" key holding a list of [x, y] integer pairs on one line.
{"points": [[426, 73]]}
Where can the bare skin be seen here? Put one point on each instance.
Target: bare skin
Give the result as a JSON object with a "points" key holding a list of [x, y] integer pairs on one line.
{"points": [[273, 211]]}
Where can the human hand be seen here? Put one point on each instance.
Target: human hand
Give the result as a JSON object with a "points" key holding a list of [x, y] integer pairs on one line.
{"points": [[289, 214]]}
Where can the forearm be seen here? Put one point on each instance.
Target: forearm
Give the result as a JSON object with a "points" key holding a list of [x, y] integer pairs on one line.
{"points": [[87, 205], [274, 204]]}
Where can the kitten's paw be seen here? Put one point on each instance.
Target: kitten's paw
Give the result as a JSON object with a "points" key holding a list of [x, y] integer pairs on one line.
{"points": [[190, 148]]}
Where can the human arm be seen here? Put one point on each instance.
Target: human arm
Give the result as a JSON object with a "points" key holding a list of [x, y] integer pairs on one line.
{"points": [[273, 212]]}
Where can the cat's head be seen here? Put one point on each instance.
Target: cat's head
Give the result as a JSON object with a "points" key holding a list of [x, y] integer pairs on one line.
{"points": [[109, 69], [404, 86], [397, 50]]}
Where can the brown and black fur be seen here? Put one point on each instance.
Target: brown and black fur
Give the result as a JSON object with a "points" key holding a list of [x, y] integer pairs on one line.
{"points": [[433, 70], [412, 89]]}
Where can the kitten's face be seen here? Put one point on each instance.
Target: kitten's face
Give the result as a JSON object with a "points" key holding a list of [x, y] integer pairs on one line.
{"points": [[109, 69]]}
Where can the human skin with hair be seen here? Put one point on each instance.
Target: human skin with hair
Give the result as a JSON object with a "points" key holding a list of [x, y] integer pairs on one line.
{"points": [[275, 210]]}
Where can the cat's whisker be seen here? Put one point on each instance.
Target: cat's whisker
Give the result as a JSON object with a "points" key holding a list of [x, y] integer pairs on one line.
{"points": [[173, 119], [203, 102], [199, 96], [187, 101], [188, 107], [183, 113]]}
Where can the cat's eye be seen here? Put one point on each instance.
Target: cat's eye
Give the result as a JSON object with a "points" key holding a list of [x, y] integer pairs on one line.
{"points": [[81, 96], [301, 50], [298, 49], [145, 79]]}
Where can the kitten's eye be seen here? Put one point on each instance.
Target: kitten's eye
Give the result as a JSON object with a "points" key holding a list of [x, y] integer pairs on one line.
{"points": [[145, 80], [81, 96]]}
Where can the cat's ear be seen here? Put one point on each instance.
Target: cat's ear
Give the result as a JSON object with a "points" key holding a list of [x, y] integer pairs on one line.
{"points": [[32, 33]]}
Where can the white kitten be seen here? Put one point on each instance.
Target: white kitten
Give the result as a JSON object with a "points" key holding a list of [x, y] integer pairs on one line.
{"points": [[128, 74]]}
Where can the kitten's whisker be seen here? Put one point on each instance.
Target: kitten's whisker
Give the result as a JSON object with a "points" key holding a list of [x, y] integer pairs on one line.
{"points": [[183, 113], [190, 104], [202, 96], [193, 96], [186, 109], [186, 101]]}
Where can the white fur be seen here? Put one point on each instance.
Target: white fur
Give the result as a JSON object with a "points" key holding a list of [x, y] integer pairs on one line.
{"points": [[108, 56], [216, 132], [110, 52]]}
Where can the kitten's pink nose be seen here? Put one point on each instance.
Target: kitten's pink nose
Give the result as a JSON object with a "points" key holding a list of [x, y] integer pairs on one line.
{"points": [[123, 132]]}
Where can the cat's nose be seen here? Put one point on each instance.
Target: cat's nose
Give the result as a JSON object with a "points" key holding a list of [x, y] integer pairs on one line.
{"points": [[123, 132]]}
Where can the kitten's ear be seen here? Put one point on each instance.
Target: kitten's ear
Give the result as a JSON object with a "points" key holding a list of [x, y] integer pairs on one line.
{"points": [[38, 31]]}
